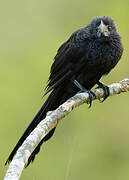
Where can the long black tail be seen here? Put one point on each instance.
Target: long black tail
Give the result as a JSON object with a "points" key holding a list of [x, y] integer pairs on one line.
{"points": [[56, 98]]}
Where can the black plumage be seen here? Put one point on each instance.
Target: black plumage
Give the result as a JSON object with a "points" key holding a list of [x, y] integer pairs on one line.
{"points": [[85, 57]]}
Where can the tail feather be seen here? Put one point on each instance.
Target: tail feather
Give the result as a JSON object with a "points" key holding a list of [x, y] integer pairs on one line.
{"points": [[57, 97], [37, 149], [39, 116]]}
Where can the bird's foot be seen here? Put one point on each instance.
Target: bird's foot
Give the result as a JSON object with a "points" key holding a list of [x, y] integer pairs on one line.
{"points": [[82, 89], [105, 89], [91, 95]]}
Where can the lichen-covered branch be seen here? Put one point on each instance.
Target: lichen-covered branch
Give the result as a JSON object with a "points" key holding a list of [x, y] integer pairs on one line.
{"points": [[15, 169]]}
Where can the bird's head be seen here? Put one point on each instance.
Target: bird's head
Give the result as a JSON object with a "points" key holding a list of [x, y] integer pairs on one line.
{"points": [[102, 27]]}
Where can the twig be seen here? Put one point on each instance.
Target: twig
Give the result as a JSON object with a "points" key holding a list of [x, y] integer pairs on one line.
{"points": [[52, 118]]}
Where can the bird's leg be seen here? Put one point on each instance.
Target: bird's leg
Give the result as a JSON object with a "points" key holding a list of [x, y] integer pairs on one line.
{"points": [[105, 89], [82, 89]]}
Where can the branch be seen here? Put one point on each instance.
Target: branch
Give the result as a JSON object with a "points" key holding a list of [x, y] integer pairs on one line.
{"points": [[52, 118]]}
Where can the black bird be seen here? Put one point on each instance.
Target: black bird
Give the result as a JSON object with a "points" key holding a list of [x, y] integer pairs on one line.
{"points": [[80, 62]]}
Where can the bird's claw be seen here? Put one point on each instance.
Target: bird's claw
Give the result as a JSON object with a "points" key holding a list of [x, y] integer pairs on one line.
{"points": [[82, 89], [105, 89], [91, 95]]}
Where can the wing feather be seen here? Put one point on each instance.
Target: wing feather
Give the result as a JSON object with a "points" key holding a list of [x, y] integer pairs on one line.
{"points": [[67, 61]]}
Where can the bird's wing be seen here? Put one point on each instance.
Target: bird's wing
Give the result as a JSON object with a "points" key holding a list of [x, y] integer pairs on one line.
{"points": [[65, 76], [67, 58]]}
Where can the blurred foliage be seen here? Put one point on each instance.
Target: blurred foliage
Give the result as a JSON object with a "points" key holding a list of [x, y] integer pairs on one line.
{"points": [[88, 144]]}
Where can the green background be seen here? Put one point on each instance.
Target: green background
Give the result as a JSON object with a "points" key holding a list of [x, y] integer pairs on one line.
{"points": [[90, 144]]}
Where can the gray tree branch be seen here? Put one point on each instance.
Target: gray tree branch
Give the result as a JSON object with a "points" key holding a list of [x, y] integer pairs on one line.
{"points": [[52, 118]]}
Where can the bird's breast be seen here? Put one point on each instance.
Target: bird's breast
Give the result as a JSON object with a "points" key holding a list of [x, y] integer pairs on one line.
{"points": [[103, 56]]}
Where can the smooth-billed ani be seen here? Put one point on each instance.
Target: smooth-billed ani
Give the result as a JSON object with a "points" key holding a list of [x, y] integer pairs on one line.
{"points": [[80, 62]]}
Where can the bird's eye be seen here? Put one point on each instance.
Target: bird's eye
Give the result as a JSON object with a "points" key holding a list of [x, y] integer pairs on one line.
{"points": [[98, 23], [109, 28]]}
